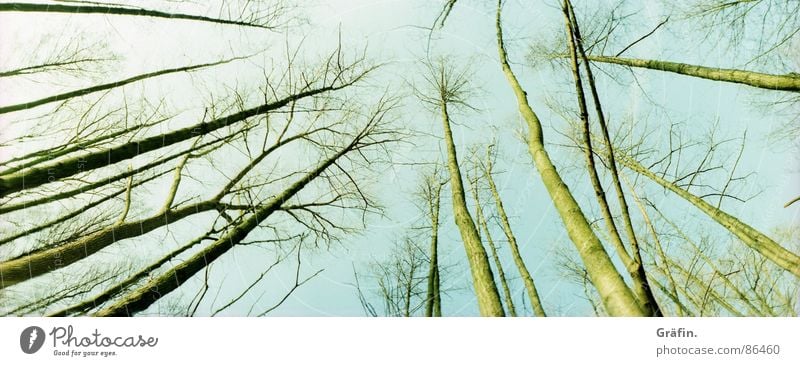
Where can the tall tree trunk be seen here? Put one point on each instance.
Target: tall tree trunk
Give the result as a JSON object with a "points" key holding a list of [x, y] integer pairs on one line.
{"points": [[672, 292], [117, 10], [527, 279], [790, 82], [618, 300], [88, 187], [501, 274], [489, 303], [107, 86], [35, 264], [633, 263], [433, 305], [749, 236], [120, 287]]}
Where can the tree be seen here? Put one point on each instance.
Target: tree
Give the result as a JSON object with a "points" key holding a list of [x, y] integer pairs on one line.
{"points": [[33, 177], [152, 291], [259, 18], [484, 226], [449, 88], [788, 82], [617, 297], [749, 236], [400, 281], [107, 86], [632, 262], [527, 279], [431, 193]]}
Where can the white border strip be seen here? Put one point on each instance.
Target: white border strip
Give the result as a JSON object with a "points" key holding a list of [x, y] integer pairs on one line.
{"points": [[387, 341]]}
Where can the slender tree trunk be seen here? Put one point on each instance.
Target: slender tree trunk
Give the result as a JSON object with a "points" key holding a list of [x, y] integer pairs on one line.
{"points": [[788, 82], [617, 298], [673, 292], [47, 66], [41, 262], [437, 295], [116, 10], [120, 287], [107, 86], [717, 272], [527, 279], [73, 213], [749, 236], [632, 263], [409, 288], [501, 274], [489, 303], [433, 306], [700, 304], [106, 181]]}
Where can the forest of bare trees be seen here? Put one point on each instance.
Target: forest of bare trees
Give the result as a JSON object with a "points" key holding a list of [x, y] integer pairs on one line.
{"points": [[262, 159]]}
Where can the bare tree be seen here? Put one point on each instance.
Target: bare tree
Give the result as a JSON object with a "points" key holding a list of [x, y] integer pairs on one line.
{"points": [[254, 17], [632, 262], [748, 235], [33, 177], [71, 57], [121, 196], [449, 87], [787, 82], [101, 87], [617, 297], [400, 281], [501, 274], [431, 193], [371, 134], [487, 168]]}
